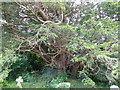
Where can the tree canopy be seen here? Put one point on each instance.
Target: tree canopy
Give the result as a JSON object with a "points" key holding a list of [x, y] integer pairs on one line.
{"points": [[73, 38]]}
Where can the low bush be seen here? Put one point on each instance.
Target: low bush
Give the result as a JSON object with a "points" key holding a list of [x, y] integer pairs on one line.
{"points": [[6, 60], [21, 67]]}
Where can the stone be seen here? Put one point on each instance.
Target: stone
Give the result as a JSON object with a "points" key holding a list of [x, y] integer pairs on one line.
{"points": [[114, 87], [64, 85], [19, 80]]}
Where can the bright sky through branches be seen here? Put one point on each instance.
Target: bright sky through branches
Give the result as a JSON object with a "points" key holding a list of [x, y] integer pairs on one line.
{"points": [[94, 1], [78, 1]]}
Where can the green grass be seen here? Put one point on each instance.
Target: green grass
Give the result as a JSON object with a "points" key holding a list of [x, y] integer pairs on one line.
{"points": [[77, 84], [12, 84], [74, 84], [43, 82]]}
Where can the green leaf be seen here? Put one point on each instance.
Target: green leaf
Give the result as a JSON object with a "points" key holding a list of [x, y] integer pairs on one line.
{"points": [[42, 38]]}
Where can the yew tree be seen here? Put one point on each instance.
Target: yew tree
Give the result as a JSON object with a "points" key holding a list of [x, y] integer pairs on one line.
{"points": [[72, 37]]}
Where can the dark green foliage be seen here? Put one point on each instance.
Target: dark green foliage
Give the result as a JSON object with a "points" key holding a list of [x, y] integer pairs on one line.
{"points": [[25, 63], [48, 74], [35, 61], [22, 65]]}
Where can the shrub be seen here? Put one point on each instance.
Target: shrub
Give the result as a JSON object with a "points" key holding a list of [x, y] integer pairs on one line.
{"points": [[61, 78], [6, 60], [20, 68], [86, 80]]}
